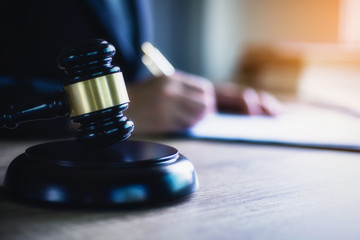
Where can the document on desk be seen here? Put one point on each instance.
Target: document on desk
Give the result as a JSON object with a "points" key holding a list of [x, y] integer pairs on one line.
{"points": [[312, 127]]}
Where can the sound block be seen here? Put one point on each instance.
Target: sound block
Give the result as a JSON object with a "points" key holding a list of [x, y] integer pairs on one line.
{"points": [[125, 173]]}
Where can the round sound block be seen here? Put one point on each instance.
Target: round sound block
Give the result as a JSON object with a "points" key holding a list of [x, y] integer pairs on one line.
{"points": [[126, 173]]}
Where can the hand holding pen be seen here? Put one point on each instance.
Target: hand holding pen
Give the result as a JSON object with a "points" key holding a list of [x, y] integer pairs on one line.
{"points": [[231, 97], [170, 101]]}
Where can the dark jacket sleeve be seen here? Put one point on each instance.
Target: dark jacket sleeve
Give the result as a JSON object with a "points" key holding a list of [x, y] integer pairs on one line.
{"points": [[34, 34]]}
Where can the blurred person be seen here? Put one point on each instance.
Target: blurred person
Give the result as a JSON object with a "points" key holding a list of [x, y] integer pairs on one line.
{"points": [[34, 32]]}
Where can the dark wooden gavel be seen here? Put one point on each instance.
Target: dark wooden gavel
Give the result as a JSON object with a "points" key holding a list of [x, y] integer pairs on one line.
{"points": [[94, 95]]}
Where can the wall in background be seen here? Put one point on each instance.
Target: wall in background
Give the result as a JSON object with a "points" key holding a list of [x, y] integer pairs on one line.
{"points": [[312, 21], [201, 37], [179, 32], [208, 37], [233, 25], [224, 37], [349, 21]]}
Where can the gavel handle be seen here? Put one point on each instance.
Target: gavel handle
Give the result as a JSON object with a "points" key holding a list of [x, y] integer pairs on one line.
{"points": [[46, 108]]}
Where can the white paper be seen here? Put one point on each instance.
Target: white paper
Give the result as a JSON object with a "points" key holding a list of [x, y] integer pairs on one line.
{"points": [[311, 127]]}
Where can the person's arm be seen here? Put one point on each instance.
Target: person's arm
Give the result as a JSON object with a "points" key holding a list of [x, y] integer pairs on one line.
{"points": [[173, 103], [169, 104]]}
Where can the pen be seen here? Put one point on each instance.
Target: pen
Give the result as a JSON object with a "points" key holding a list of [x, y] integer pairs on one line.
{"points": [[155, 61]]}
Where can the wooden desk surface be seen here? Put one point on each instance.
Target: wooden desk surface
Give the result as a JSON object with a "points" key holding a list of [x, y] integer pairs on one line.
{"points": [[246, 192]]}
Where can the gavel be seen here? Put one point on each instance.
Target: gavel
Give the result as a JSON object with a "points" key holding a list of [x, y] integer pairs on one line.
{"points": [[94, 95], [113, 172]]}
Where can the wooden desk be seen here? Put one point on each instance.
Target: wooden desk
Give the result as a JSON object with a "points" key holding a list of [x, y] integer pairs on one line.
{"points": [[246, 192]]}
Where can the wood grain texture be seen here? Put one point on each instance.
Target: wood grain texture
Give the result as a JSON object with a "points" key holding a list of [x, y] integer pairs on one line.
{"points": [[246, 192]]}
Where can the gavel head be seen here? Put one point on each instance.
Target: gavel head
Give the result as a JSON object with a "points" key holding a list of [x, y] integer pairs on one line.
{"points": [[96, 93]]}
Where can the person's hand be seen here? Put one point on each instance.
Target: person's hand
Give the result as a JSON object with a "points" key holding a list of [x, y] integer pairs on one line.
{"points": [[169, 104], [233, 98]]}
